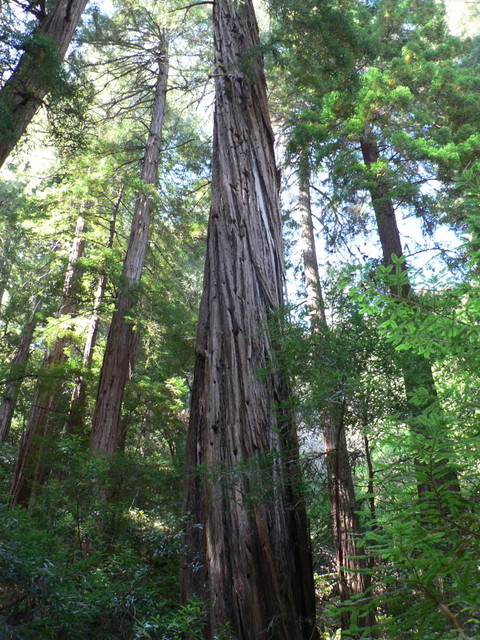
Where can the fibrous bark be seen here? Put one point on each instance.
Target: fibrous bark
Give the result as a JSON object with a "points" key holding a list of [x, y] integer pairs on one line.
{"points": [[247, 532], [120, 348], [348, 536], [24, 91], [30, 468]]}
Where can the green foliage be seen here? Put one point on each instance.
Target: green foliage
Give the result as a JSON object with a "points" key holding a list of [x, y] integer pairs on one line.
{"points": [[429, 569], [425, 575], [427, 546], [185, 623], [70, 122], [391, 69], [40, 63], [98, 554], [78, 567]]}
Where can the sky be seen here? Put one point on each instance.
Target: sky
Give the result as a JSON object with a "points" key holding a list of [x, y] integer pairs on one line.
{"points": [[463, 17]]}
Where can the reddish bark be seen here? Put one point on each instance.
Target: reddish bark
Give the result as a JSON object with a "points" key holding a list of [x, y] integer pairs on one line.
{"points": [[79, 395], [247, 529], [17, 367], [120, 349], [30, 468]]}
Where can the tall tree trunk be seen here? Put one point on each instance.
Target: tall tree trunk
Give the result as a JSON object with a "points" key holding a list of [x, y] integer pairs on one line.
{"points": [[17, 368], [30, 463], [119, 352], [18, 363], [350, 560], [77, 403], [347, 533], [4, 267], [370, 486], [24, 91], [417, 371], [313, 285], [384, 210], [247, 532]]}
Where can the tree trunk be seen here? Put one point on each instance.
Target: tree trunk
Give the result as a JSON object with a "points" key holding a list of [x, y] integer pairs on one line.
{"points": [[17, 368], [24, 91], [417, 371], [30, 464], [350, 561], [247, 532], [77, 403], [4, 268], [371, 496], [384, 210], [19, 361], [119, 352], [347, 533], [313, 285]]}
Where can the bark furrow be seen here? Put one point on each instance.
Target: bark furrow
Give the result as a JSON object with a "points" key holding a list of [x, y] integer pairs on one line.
{"points": [[247, 529]]}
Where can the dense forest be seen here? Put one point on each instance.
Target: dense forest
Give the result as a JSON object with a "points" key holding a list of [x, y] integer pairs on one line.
{"points": [[240, 320]]}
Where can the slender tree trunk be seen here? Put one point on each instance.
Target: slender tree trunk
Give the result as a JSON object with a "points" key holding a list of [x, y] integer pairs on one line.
{"points": [[30, 463], [371, 495], [347, 533], [384, 210], [417, 371], [24, 91], [77, 403], [18, 364], [313, 285], [17, 369], [247, 532], [4, 268], [119, 352]]}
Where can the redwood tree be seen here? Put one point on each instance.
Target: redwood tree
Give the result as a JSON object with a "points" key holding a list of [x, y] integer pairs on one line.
{"points": [[30, 467], [417, 370], [35, 73], [17, 367], [351, 563], [107, 433], [247, 531], [79, 395]]}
